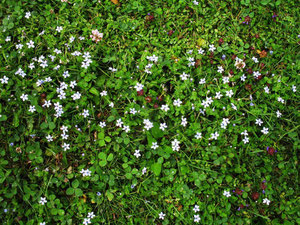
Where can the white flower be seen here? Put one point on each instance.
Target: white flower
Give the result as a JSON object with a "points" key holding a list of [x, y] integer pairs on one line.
{"points": [[30, 44], [198, 135], [66, 146], [243, 77], [126, 128], [280, 99], [64, 128], [201, 51], [144, 170], [59, 29], [111, 104], [24, 97], [279, 114], [259, 122], [133, 111], [137, 153], [202, 81], [184, 76], [27, 15], [220, 69], [148, 124], [112, 69], [227, 194], [212, 48], [138, 87], [47, 103], [4, 80], [229, 93], [197, 218], [294, 88], [256, 74], [43, 200], [73, 84], [225, 80], [255, 59], [175, 145], [76, 96], [163, 126], [177, 102], [233, 106], [86, 172], [19, 46], [86, 221], [103, 93], [165, 108], [224, 123], [49, 138], [119, 123], [31, 66], [32, 108], [66, 74], [245, 140], [245, 133], [154, 145], [91, 215], [161, 216], [183, 121], [265, 130], [43, 223], [48, 79], [195, 2], [102, 124], [218, 95], [214, 135], [152, 58], [85, 113], [266, 201], [196, 208]]}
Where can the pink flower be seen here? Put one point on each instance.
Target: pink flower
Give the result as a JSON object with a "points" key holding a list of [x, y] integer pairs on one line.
{"points": [[96, 36]]}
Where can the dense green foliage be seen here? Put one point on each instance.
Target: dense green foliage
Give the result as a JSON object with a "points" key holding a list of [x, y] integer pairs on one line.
{"points": [[212, 83]]}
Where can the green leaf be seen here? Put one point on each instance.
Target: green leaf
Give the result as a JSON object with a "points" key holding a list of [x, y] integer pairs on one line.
{"points": [[156, 168], [264, 2], [75, 183], [110, 118], [94, 91], [70, 191], [102, 156], [44, 125], [156, 132], [128, 176], [202, 177], [102, 163], [109, 195], [3, 117], [78, 192], [52, 125], [110, 157]]}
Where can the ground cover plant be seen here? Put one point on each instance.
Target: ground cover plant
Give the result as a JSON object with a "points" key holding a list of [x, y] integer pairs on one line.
{"points": [[149, 112]]}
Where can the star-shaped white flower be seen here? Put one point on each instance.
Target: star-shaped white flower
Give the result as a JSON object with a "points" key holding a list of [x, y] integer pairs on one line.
{"points": [[196, 208], [265, 130], [137, 153], [177, 102], [43, 200], [161, 216], [266, 201], [165, 108], [226, 193]]}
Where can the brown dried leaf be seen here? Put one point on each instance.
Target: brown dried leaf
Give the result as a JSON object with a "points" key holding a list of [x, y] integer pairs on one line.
{"points": [[116, 2]]}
